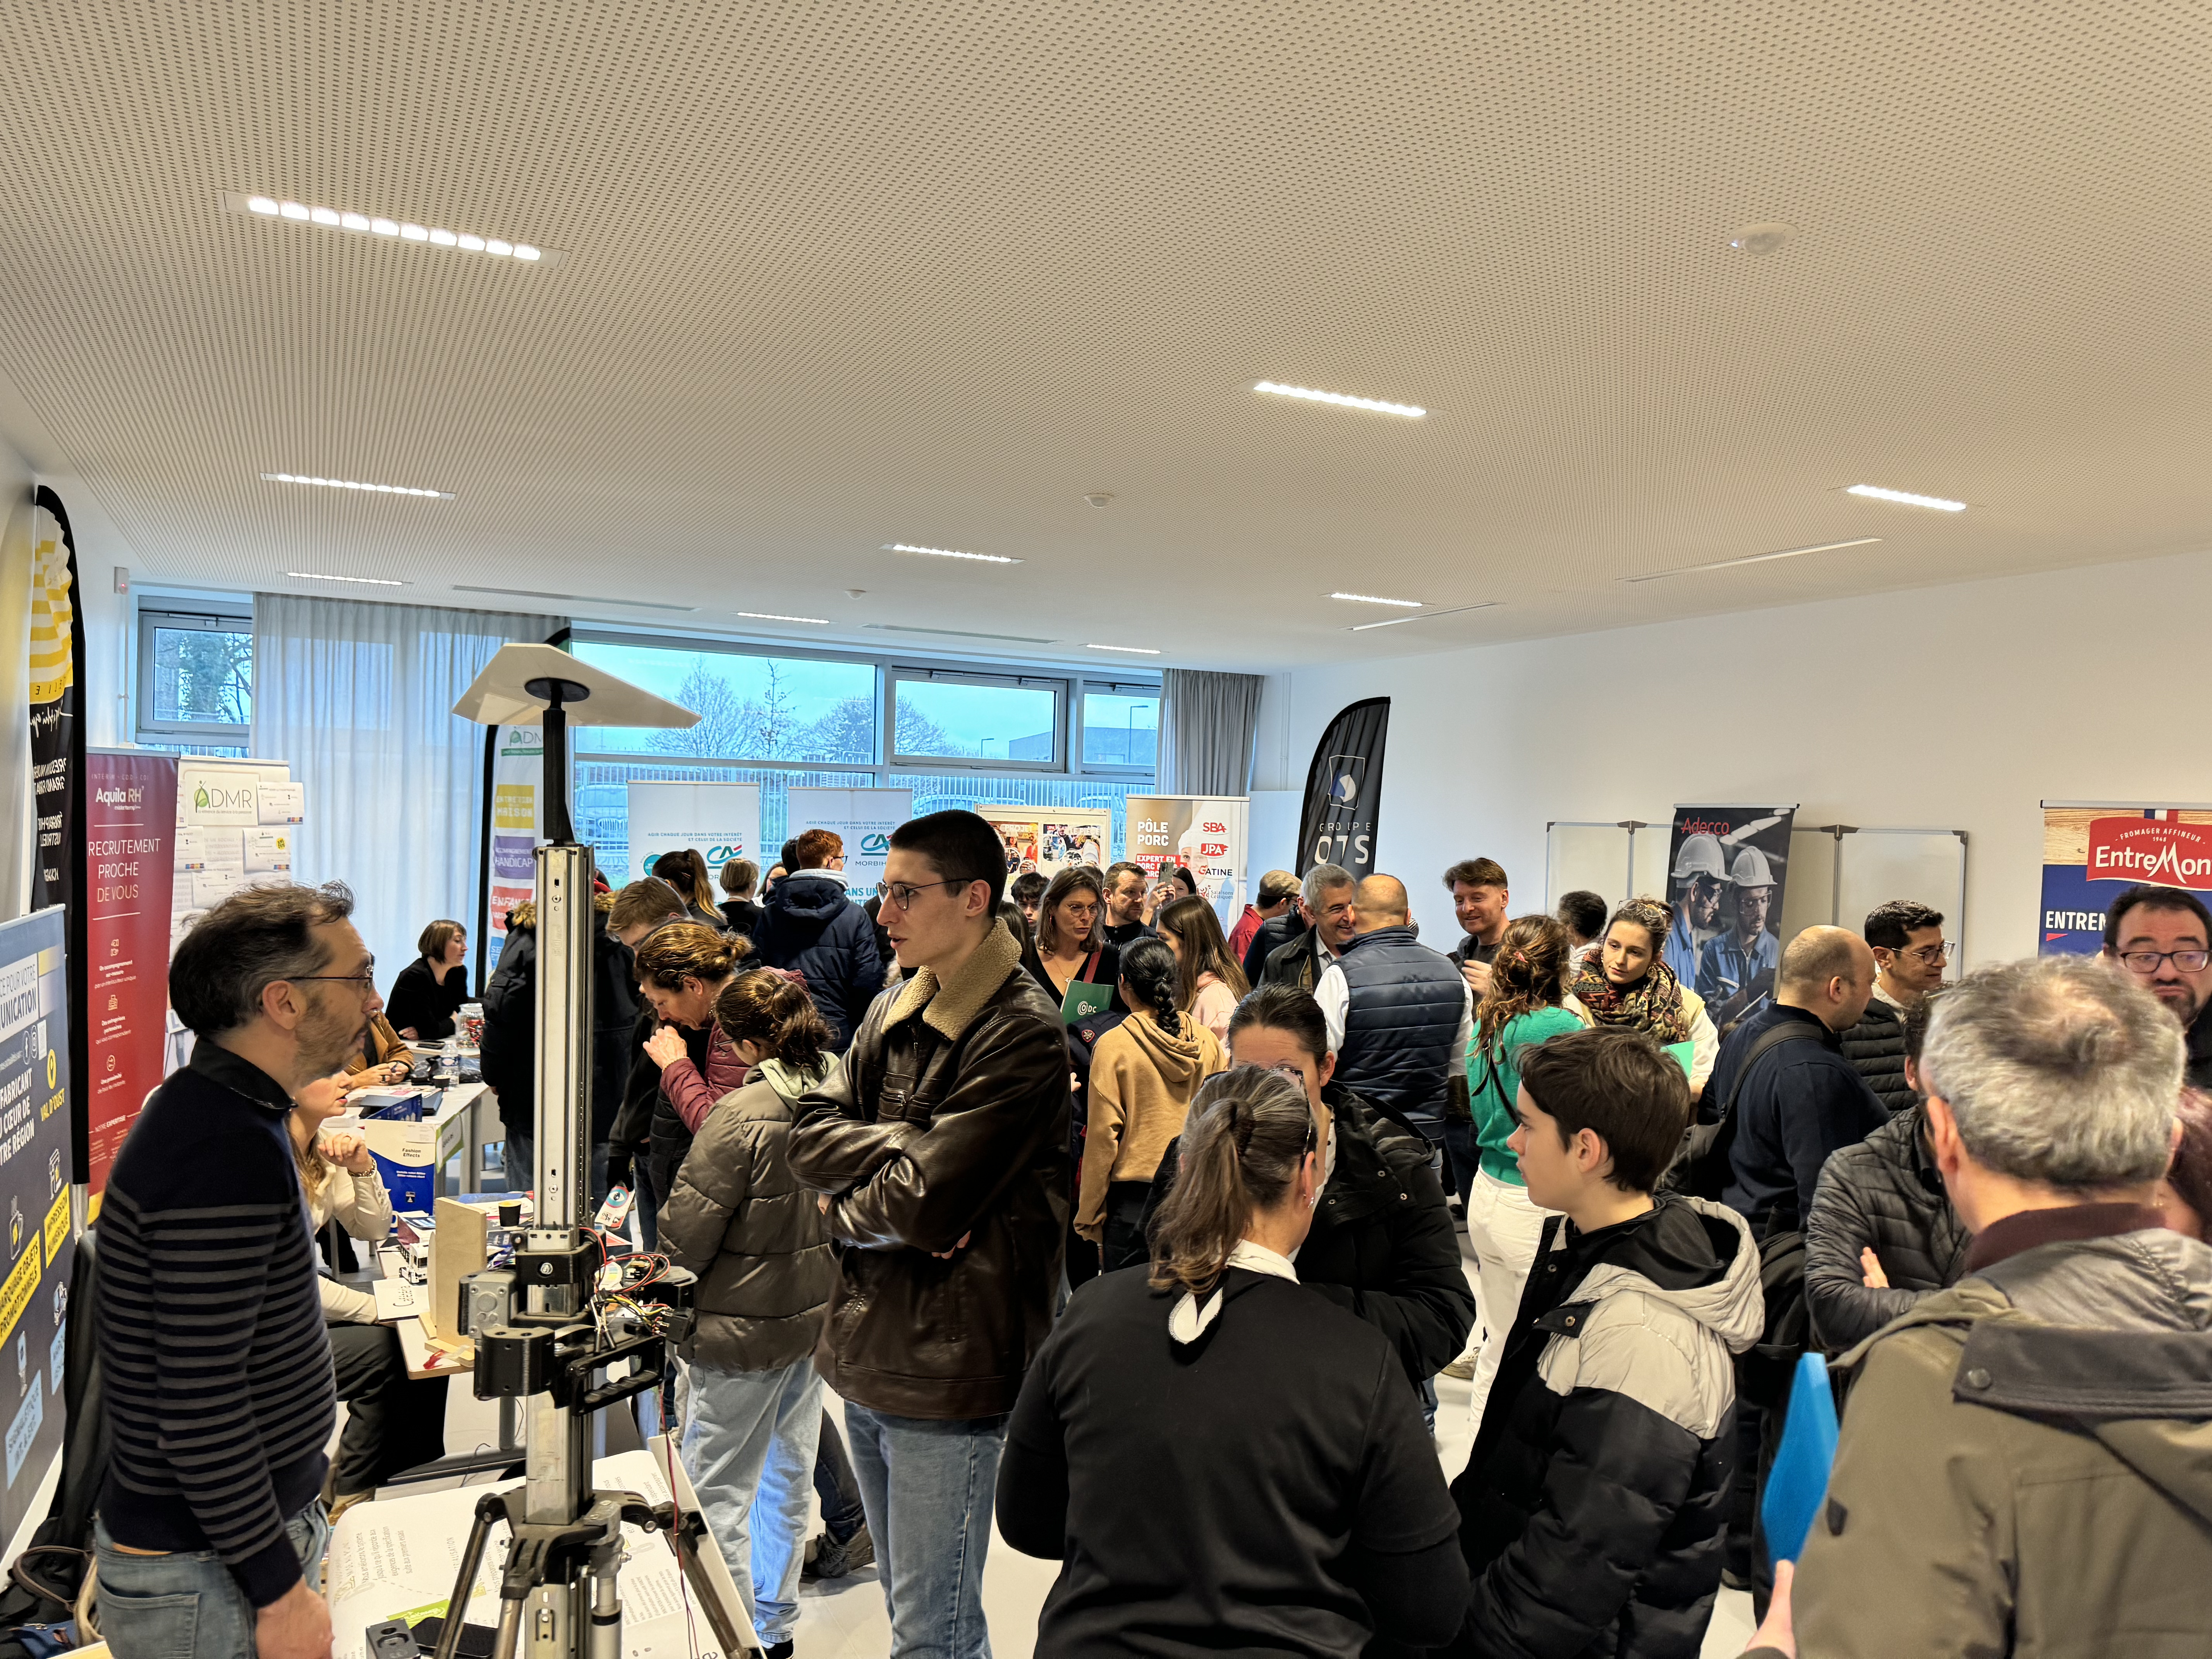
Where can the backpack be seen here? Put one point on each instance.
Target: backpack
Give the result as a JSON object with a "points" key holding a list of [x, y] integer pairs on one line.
{"points": [[1763, 1371], [1700, 1166]]}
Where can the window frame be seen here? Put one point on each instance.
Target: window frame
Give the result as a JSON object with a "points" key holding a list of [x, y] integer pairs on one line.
{"points": [[1084, 688], [932, 674], [211, 617]]}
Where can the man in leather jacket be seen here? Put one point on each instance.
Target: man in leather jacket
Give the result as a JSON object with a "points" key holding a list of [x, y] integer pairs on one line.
{"points": [[941, 1147]]}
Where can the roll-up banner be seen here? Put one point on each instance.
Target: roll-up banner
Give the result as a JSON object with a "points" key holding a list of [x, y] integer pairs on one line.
{"points": [[56, 678], [131, 820], [862, 818], [1208, 835], [1049, 839], [720, 821], [1344, 790], [515, 825], [2092, 852], [1726, 869], [34, 1196]]}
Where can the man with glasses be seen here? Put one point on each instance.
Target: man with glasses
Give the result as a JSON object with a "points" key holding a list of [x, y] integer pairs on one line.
{"points": [[941, 1147], [220, 1395], [1910, 952], [2162, 937]]}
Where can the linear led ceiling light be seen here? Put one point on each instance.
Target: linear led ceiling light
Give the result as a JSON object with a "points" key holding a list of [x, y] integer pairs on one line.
{"points": [[353, 483], [364, 581], [1753, 558], [1426, 615], [949, 553], [1411, 411], [1131, 650], [399, 230], [1376, 598], [770, 616], [1905, 498]]}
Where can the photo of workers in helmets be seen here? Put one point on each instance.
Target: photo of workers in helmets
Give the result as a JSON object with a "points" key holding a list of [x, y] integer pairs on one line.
{"points": [[1724, 881]]}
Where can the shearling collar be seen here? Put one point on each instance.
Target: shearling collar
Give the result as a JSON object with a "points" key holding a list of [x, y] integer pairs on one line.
{"points": [[952, 1008]]}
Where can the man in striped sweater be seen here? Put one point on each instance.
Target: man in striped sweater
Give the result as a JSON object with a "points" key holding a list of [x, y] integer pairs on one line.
{"points": [[219, 1392]]}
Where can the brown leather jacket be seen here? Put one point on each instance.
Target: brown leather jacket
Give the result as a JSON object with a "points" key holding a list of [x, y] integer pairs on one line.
{"points": [[947, 1122]]}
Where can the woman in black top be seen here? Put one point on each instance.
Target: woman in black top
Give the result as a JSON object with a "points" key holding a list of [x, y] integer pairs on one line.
{"points": [[431, 989], [1222, 1459], [740, 877], [1068, 945]]}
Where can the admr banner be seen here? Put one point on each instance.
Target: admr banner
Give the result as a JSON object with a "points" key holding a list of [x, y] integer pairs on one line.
{"points": [[1344, 790], [57, 675], [2092, 854]]}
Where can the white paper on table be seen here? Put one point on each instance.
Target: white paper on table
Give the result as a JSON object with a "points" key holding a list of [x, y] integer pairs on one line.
{"points": [[268, 851], [399, 1298], [280, 803], [397, 1557]]}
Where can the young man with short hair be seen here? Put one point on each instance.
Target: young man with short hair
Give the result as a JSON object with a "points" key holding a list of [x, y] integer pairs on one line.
{"points": [[1582, 913], [1906, 938], [641, 909], [1277, 891], [1125, 904], [1592, 1505], [2162, 937], [220, 1395], [941, 1143], [1480, 898]]}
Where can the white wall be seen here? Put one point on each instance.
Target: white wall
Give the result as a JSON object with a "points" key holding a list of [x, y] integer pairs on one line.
{"points": [[1955, 708]]}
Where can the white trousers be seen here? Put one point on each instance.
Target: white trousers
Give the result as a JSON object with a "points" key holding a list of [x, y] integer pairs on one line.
{"points": [[1504, 1230]]}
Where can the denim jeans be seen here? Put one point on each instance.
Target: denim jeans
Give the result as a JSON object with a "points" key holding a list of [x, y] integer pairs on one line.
{"points": [[186, 1605], [1463, 1159], [835, 1485], [748, 1443], [927, 1486]]}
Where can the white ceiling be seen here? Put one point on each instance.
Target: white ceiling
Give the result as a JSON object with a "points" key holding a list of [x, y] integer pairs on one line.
{"points": [[839, 274]]}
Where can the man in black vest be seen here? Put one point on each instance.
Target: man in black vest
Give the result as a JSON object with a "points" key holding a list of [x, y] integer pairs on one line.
{"points": [[1398, 1012]]}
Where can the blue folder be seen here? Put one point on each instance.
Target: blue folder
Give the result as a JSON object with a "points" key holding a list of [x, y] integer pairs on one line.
{"points": [[1799, 1480]]}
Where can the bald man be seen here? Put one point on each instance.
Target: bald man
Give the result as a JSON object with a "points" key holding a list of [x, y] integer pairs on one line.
{"points": [[1797, 1098], [1398, 1012]]}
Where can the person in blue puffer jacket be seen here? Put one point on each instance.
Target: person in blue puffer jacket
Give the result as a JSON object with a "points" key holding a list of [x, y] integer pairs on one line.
{"points": [[809, 927]]}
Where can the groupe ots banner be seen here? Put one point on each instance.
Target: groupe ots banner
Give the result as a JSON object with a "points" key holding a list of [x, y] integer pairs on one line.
{"points": [[131, 822], [1344, 790], [56, 677], [513, 826], [1049, 839], [2092, 854], [720, 821], [1205, 834], [862, 818], [1726, 866]]}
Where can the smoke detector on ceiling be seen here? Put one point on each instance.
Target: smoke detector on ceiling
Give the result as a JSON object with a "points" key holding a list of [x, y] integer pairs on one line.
{"points": [[854, 592], [1767, 236], [1099, 497]]}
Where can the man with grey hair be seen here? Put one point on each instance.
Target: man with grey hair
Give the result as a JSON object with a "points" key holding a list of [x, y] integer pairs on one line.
{"points": [[1325, 899], [2024, 1465]]}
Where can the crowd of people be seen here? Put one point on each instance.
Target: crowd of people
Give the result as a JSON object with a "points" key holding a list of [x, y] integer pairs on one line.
{"points": [[1141, 1237]]}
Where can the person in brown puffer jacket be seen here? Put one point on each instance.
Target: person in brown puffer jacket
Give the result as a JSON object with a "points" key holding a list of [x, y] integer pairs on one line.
{"points": [[1143, 1075], [757, 1237]]}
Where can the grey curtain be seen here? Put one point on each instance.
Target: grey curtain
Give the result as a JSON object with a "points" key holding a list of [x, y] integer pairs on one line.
{"points": [[1208, 723]]}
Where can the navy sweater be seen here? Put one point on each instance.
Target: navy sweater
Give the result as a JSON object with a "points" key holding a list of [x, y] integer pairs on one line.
{"points": [[219, 1392]]}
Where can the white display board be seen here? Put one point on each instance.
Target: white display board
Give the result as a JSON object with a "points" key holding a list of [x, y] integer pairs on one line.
{"points": [[1588, 857], [721, 821], [1207, 835], [238, 824], [862, 818]]}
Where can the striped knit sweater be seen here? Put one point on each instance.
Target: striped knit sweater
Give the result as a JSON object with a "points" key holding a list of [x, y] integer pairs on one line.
{"points": [[219, 1391]]}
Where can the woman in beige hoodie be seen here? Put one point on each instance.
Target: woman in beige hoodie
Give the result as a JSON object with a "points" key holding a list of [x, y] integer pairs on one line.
{"points": [[1143, 1075]]}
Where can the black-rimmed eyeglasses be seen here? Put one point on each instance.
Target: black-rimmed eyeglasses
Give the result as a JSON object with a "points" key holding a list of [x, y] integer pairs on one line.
{"points": [[2146, 962]]}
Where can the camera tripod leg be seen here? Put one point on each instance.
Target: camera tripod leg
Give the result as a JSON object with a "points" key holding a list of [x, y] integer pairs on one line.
{"points": [[489, 1508]]}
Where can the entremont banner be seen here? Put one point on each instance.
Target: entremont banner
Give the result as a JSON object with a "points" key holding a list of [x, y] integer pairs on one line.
{"points": [[2092, 853]]}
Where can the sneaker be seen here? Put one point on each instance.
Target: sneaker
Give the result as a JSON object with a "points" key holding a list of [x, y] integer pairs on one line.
{"points": [[780, 1650], [1461, 1368], [828, 1559]]}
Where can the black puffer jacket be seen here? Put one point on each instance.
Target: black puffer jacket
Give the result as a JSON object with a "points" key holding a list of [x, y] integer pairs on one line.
{"points": [[1875, 1047], [811, 928], [1381, 1244], [1885, 1192], [1592, 1507]]}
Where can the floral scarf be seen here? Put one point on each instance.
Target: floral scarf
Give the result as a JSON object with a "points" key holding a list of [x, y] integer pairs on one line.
{"points": [[1653, 1005]]}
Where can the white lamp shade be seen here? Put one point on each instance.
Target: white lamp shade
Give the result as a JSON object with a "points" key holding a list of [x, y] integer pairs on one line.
{"points": [[500, 695]]}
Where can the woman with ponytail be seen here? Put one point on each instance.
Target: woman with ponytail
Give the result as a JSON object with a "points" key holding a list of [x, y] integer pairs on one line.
{"points": [[1144, 1073], [739, 1219], [1188, 1383]]}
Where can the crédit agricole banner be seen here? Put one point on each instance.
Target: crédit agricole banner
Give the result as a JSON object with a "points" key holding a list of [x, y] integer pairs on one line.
{"points": [[2093, 853]]}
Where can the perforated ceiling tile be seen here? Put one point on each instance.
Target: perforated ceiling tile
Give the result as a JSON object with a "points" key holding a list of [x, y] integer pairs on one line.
{"points": [[840, 275]]}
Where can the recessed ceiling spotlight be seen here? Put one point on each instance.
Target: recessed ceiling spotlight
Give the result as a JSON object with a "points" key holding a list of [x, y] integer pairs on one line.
{"points": [[770, 616], [363, 224], [1132, 650], [365, 581], [1373, 598], [1411, 411], [1905, 498], [1426, 615], [1767, 236], [950, 553], [1753, 558], [353, 483]]}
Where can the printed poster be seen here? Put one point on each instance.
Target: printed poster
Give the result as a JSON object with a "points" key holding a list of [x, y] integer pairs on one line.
{"points": [[1727, 867], [863, 817], [718, 821], [517, 775], [130, 818], [1050, 839], [2093, 853], [1206, 834]]}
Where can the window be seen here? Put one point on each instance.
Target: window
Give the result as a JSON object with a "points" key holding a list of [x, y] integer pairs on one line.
{"points": [[750, 707], [944, 715], [1120, 726], [195, 675]]}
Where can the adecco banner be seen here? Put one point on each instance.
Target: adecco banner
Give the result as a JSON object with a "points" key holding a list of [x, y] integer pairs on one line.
{"points": [[720, 821], [1205, 834], [862, 818], [130, 821], [1050, 839], [1725, 875], [2094, 852]]}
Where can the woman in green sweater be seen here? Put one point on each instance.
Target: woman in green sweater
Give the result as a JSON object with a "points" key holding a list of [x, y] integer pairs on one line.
{"points": [[1522, 1007]]}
